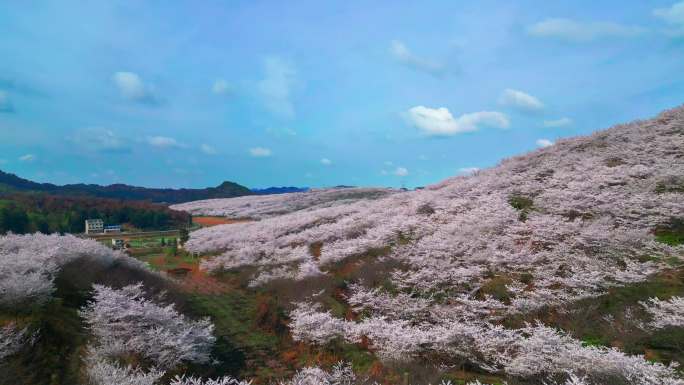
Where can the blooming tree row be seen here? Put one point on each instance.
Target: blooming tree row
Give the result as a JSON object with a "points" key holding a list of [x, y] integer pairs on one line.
{"points": [[266, 206], [531, 352], [29, 263]]}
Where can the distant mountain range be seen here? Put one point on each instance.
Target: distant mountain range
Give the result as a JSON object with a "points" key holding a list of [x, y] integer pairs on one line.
{"points": [[10, 183], [278, 190]]}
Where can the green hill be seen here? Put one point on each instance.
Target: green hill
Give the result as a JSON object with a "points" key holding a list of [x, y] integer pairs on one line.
{"points": [[13, 183]]}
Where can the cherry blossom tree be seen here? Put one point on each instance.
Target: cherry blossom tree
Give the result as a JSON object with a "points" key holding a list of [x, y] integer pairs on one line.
{"points": [[123, 322], [13, 339], [182, 380], [29, 263], [103, 372], [665, 313]]}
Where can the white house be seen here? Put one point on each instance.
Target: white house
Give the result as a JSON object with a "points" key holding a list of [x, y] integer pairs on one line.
{"points": [[94, 226], [112, 229]]}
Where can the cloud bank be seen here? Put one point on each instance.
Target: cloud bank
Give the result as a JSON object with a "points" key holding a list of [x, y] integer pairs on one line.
{"points": [[5, 103], [275, 88], [132, 88], [562, 122], [440, 122], [403, 55], [577, 31], [520, 101], [260, 152], [163, 142]]}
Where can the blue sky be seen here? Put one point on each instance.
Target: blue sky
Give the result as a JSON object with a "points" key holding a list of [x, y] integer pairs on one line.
{"points": [[313, 93]]}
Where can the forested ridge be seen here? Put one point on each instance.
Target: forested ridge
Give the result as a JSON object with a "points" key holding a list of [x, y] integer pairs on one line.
{"points": [[22, 213], [12, 183]]}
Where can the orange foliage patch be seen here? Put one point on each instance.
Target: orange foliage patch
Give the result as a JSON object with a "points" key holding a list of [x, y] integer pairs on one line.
{"points": [[376, 370], [199, 281], [214, 221], [159, 261]]}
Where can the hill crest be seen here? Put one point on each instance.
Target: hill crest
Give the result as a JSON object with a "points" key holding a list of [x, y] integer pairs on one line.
{"points": [[13, 183]]}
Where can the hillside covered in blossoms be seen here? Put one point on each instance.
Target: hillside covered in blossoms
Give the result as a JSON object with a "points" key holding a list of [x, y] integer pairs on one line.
{"points": [[563, 266], [260, 207], [463, 272]]}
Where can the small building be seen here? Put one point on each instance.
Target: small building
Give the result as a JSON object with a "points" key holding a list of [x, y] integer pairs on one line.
{"points": [[94, 226], [118, 244], [112, 229]]}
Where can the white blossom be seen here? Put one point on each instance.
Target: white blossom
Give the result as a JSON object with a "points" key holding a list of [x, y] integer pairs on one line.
{"points": [[123, 321], [665, 313], [13, 339], [103, 372], [29, 263]]}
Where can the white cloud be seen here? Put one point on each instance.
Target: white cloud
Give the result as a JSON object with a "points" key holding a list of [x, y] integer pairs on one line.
{"points": [[544, 143], [673, 16], [131, 87], [520, 100], [468, 170], [275, 88], [5, 102], [27, 158], [423, 157], [388, 163], [439, 121], [163, 142], [562, 122], [220, 87], [100, 139], [400, 171], [326, 161], [404, 56], [260, 152], [577, 31], [207, 149], [281, 132]]}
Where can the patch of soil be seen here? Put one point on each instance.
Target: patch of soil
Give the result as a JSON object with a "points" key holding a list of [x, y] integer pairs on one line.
{"points": [[214, 221], [198, 281], [158, 261]]}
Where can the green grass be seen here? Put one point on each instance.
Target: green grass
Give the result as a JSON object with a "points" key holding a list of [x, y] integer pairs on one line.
{"points": [[56, 356], [463, 378], [595, 341], [523, 204], [671, 233], [5, 188], [337, 308], [148, 242], [164, 255], [496, 287], [670, 238], [589, 325], [234, 316]]}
